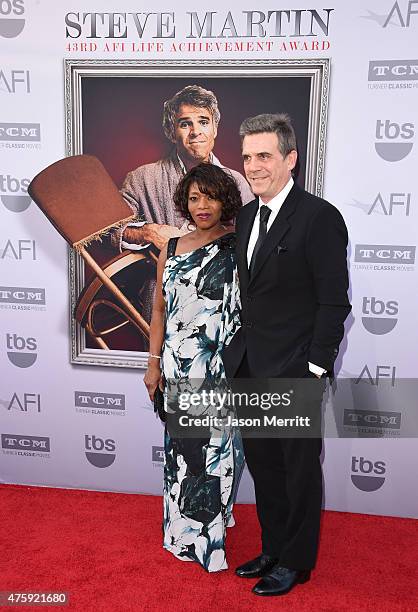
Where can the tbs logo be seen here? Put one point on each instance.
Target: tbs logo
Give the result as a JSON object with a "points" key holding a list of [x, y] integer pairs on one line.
{"points": [[21, 351], [100, 453], [14, 193], [379, 316], [366, 475], [11, 20], [393, 140]]}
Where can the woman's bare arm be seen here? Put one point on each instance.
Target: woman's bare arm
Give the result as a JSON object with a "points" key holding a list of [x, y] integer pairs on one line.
{"points": [[153, 374]]}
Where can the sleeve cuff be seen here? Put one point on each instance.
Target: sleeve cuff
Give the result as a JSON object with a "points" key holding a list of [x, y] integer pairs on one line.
{"points": [[315, 369], [132, 246]]}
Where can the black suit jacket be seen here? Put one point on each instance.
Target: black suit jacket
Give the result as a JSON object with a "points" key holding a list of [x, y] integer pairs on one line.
{"points": [[295, 302]]}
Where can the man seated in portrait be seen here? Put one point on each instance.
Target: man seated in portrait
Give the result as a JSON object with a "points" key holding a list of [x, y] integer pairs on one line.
{"points": [[190, 122]]}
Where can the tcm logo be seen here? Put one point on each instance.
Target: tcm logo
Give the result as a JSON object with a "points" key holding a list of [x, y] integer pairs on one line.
{"points": [[25, 402], [379, 316], [393, 70], [21, 351], [393, 140], [90, 399], [384, 253], [374, 378], [19, 249], [14, 81], [11, 21], [20, 132], [14, 193], [366, 475], [100, 453], [14, 442], [372, 419], [23, 296], [158, 454]]}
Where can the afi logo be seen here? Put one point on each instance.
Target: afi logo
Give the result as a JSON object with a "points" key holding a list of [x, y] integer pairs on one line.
{"points": [[20, 351], [400, 17], [375, 320], [362, 474], [389, 131], [398, 203], [19, 250], [26, 402], [11, 22], [95, 451], [15, 81], [382, 371]]}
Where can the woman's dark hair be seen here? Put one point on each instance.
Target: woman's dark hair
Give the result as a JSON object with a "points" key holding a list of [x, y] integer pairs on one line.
{"points": [[212, 181]]}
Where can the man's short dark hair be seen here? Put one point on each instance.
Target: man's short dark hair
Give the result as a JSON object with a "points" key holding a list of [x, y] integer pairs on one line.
{"points": [[279, 124], [213, 181], [193, 95]]}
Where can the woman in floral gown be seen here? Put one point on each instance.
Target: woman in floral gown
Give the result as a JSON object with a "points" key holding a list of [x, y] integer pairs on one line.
{"points": [[196, 313]]}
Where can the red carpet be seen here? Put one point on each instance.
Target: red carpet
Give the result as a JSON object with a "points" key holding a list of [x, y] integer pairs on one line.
{"points": [[105, 550]]}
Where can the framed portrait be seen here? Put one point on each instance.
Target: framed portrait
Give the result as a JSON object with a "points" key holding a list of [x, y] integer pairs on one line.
{"points": [[119, 111]]}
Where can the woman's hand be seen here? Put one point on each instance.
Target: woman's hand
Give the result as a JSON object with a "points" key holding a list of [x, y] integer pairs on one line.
{"points": [[153, 378]]}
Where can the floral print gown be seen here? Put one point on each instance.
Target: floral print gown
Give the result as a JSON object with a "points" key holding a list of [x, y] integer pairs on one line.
{"points": [[201, 476]]}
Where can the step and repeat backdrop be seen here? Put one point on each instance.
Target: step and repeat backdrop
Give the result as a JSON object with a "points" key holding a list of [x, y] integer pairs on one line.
{"points": [[84, 78]]}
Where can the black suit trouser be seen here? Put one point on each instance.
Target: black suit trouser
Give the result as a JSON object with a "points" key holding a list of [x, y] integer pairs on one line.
{"points": [[287, 478]]}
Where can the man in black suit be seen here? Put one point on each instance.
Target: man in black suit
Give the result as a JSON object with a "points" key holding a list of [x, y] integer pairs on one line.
{"points": [[291, 257]]}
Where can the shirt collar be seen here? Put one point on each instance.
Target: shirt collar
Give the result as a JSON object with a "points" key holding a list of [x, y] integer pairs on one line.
{"points": [[276, 202], [212, 159]]}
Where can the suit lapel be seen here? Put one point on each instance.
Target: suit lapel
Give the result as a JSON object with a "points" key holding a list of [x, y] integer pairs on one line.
{"points": [[278, 230], [246, 223]]}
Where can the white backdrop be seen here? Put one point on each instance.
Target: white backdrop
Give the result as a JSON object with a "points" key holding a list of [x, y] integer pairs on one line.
{"points": [[54, 430]]}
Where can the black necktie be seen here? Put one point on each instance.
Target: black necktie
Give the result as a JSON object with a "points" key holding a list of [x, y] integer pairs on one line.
{"points": [[262, 233]]}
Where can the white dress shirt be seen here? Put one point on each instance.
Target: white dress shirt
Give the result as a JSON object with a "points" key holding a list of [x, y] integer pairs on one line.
{"points": [[275, 205]]}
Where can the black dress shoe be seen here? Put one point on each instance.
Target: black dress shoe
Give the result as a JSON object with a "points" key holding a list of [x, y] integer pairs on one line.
{"points": [[257, 567], [280, 580]]}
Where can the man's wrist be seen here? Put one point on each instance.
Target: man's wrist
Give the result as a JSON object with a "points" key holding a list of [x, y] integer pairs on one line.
{"points": [[147, 232]]}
